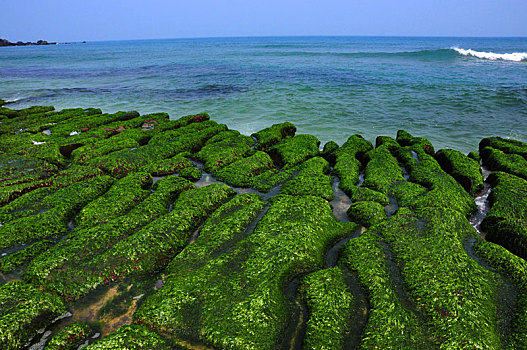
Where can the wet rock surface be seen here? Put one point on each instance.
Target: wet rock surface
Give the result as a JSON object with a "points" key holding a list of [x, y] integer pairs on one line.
{"points": [[128, 231]]}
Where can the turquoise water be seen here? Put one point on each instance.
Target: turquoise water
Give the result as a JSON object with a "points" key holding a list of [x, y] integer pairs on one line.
{"points": [[331, 87]]}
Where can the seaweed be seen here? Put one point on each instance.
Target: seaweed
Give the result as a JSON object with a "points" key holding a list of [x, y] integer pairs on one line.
{"points": [[219, 154], [23, 311], [404, 138], [330, 305], [70, 337], [236, 300], [348, 161], [367, 213], [132, 337], [311, 180], [294, 150], [12, 261], [496, 159], [466, 171], [243, 172], [274, 134], [506, 221], [508, 146]]}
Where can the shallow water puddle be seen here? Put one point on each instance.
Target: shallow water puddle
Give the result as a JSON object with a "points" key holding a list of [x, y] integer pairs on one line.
{"points": [[341, 202], [482, 203]]}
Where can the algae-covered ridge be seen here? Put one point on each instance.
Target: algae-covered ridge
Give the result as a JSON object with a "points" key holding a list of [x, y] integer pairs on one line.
{"points": [[128, 231]]}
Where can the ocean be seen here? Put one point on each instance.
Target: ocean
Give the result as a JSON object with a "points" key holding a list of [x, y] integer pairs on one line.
{"points": [[453, 91]]}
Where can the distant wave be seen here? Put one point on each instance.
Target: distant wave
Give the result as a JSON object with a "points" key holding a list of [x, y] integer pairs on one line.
{"points": [[515, 56]]}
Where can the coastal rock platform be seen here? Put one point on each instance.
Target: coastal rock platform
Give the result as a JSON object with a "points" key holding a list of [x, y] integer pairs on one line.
{"points": [[129, 231]]}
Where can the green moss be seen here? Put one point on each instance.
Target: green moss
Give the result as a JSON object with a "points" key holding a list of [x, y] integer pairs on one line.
{"points": [[466, 171], [120, 163], [243, 172], [10, 262], [219, 154], [382, 171], [516, 269], [120, 198], [311, 180], [23, 311], [330, 305], [133, 337], [406, 139], [506, 221], [26, 205], [64, 203], [348, 161], [272, 178], [274, 134], [474, 155], [221, 230], [454, 292], [85, 153], [361, 194], [391, 323], [329, 150], [367, 213], [508, 146], [191, 174], [55, 268], [388, 142], [168, 166], [407, 192], [513, 164], [70, 337], [236, 300], [294, 150], [442, 190]]}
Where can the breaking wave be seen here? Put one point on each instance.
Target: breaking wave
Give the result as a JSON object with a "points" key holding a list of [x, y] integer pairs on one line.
{"points": [[515, 56]]}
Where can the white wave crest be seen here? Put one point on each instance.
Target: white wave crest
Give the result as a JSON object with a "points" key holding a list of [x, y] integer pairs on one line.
{"points": [[515, 56]]}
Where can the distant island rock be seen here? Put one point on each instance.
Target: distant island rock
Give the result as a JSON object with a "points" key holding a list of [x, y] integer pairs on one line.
{"points": [[5, 42]]}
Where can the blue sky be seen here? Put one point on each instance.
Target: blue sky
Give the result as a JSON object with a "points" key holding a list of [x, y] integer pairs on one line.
{"points": [[73, 20]]}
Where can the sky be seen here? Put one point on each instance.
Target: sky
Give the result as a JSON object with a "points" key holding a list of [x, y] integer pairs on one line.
{"points": [[94, 20]]}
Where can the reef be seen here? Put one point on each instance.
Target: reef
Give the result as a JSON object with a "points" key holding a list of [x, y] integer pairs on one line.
{"points": [[121, 230]]}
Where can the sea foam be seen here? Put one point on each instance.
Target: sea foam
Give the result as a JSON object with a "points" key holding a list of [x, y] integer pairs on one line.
{"points": [[515, 56]]}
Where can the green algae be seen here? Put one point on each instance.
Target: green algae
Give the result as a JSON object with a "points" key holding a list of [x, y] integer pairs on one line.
{"points": [[122, 196], [56, 268], [236, 300], [12, 261], [496, 159], [63, 204], [23, 311], [508, 146], [348, 161], [382, 172], [330, 306], [505, 223], [466, 171], [294, 150], [221, 153], [132, 337], [311, 180], [274, 134], [69, 337], [367, 213], [243, 172], [404, 138]]}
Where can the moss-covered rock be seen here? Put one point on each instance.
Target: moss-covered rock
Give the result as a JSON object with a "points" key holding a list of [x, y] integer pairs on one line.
{"points": [[243, 172], [311, 180], [132, 337], [272, 135], [361, 194], [23, 311], [330, 306], [466, 171], [70, 337], [508, 146], [10, 262], [382, 172], [295, 150], [506, 221], [404, 138], [219, 154], [496, 159], [236, 300], [367, 213], [348, 161]]}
